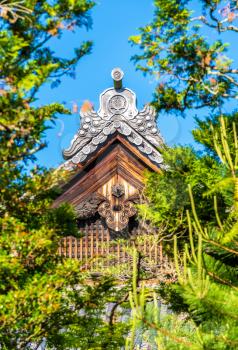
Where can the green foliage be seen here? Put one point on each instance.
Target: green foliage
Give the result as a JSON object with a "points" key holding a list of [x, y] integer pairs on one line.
{"points": [[153, 327], [26, 62], [84, 324], [210, 128], [168, 197], [206, 294], [42, 296], [195, 200], [208, 282], [192, 71]]}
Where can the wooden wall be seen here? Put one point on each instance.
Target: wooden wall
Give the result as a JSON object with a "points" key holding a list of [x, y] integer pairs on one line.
{"points": [[98, 243]]}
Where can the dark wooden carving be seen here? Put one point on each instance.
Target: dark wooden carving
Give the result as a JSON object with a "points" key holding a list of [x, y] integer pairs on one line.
{"points": [[118, 190], [89, 206], [117, 215]]}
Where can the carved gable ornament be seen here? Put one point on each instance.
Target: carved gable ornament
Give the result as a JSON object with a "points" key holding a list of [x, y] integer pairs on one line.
{"points": [[117, 208], [111, 186]]}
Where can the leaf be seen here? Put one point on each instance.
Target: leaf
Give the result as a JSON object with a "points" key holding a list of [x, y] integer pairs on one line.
{"points": [[136, 39], [219, 186], [231, 235]]}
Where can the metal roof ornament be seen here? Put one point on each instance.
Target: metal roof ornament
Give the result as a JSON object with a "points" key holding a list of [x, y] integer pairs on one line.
{"points": [[117, 76]]}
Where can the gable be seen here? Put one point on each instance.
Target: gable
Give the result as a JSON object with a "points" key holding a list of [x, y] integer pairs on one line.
{"points": [[109, 156], [119, 160]]}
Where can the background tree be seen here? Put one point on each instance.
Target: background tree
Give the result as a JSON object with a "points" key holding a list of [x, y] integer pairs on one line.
{"points": [[167, 193], [192, 71], [41, 293], [196, 197]]}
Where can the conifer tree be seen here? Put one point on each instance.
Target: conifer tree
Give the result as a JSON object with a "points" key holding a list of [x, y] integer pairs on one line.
{"points": [[205, 297]]}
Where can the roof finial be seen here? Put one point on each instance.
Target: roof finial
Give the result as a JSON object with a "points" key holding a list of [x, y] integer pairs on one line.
{"points": [[117, 75]]}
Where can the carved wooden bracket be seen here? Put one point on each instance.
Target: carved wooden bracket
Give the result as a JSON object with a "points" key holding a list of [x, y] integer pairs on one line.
{"points": [[116, 209], [117, 216], [89, 207], [118, 190]]}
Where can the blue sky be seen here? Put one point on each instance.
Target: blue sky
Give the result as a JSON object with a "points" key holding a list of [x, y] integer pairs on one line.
{"points": [[113, 22]]}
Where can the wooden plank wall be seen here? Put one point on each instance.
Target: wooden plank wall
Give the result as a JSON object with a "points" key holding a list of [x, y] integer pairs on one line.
{"points": [[97, 244]]}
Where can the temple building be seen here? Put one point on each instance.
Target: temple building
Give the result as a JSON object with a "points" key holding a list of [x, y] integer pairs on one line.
{"points": [[110, 154]]}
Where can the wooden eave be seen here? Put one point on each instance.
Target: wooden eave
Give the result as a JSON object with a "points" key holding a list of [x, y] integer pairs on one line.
{"points": [[118, 156]]}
